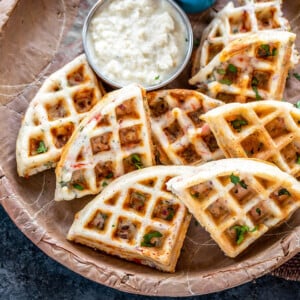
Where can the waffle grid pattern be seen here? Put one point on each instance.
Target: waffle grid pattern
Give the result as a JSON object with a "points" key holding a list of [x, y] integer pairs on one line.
{"points": [[236, 22], [272, 132], [105, 145], [248, 69], [113, 202], [62, 102], [265, 198], [177, 129]]}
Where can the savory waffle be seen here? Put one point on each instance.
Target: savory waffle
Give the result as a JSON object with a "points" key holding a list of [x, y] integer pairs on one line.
{"points": [[267, 130], [114, 139], [63, 100], [179, 134], [249, 68], [237, 200], [235, 22], [136, 218]]}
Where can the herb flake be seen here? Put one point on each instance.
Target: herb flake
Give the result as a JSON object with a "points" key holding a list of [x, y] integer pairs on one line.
{"points": [[104, 184], [254, 85], [148, 237], [109, 175], [284, 191], [78, 186], [264, 50], [221, 71], [236, 180], [171, 213], [41, 148], [238, 123], [241, 231], [297, 104], [136, 161], [232, 68], [297, 76], [225, 81]]}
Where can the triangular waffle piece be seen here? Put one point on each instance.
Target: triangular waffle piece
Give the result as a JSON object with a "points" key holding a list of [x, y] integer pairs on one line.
{"points": [[248, 69], [63, 100], [267, 130], [136, 218], [113, 139], [235, 22], [179, 134], [237, 200]]}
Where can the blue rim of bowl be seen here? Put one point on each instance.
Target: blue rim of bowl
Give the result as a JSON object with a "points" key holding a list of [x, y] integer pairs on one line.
{"points": [[114, 84]]}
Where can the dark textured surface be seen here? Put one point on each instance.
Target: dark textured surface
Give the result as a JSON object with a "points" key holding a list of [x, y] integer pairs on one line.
{"points": [[27, 273]]}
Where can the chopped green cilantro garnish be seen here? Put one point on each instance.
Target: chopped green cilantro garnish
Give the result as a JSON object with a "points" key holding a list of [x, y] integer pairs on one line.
{"points": [[240, 232], [297, 76], [284, 191], [41, 148], [104, 184], [109, 175], [254, 84], [104, 216], [221, 71], [298, 158], [136, 160], [232, 68], [236, 180], [156, 77], [258, 210], [297, 104], [78, 187], [225, 81], [148, 237], [171, 214], [265, 51], [238, 123]]}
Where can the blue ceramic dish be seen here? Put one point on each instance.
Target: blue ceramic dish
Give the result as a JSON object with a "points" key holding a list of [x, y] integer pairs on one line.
{"points": [[195, 6]]}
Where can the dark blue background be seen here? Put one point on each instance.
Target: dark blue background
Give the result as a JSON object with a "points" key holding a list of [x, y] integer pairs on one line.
{"points": [[27, 273]]}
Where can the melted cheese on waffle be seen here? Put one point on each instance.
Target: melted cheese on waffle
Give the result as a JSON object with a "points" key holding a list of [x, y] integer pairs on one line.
{"points": [[249, 68], [236, 22]]}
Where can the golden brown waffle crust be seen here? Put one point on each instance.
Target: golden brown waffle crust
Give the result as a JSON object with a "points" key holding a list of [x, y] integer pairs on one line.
{"points": [[165, 258], [181, 109], [240, 47], [221, 23], [28, 165], [81, 140], [230, 140], [244, 168]]}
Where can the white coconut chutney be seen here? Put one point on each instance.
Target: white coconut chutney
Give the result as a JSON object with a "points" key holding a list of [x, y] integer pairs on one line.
{"points": [[142, 41]]}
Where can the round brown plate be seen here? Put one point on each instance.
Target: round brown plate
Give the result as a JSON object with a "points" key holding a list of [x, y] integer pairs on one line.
{"points": [[37, 38]]}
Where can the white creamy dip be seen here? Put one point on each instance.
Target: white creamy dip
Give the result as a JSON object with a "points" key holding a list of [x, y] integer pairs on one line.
{"points": [[140, 41]]}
